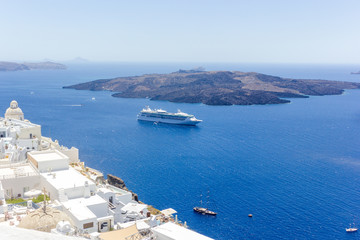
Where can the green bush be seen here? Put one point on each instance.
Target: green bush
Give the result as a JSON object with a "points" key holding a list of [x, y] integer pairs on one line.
{"points": [[40, 198], [15, 200]]}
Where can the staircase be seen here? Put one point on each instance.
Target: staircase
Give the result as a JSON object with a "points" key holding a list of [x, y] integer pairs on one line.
{"points": [[62, 195], [111, 206]]}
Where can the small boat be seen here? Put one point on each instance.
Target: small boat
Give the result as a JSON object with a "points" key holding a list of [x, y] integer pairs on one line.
{"points": [[351, 229], [204, 211]]}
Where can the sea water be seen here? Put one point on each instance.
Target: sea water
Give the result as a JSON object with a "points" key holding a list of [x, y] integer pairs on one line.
{"points": [[295, 167]]}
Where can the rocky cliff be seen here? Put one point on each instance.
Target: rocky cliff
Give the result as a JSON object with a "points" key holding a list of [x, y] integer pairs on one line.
{"points": [[118, 182]]}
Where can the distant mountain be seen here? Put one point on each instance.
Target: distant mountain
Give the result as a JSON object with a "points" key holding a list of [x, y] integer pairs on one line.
{"points": [[216, 87], [12, 66]]}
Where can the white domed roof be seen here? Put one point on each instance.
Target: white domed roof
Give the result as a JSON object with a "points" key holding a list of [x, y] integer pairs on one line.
{"points": [[14, 104], [14, 111]]}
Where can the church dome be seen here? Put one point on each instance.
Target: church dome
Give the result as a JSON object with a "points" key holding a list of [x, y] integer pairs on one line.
{"points": [[14, 111]]}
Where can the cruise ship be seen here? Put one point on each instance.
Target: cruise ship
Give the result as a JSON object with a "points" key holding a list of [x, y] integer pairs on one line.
{"points": [[161, 116]]}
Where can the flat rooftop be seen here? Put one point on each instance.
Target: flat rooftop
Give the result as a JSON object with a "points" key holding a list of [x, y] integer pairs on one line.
{"points": [[17, 170], [52, 155], [134, 207], [81, 213], [121, 234], [66, 179], [79, 206], [92, 200], [175, 232]]}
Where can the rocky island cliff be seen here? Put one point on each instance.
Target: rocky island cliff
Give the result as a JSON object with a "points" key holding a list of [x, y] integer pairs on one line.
{"points": [[216, 87], [12, 66]]}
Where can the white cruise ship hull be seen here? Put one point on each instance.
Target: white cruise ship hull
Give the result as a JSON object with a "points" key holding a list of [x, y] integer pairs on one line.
{"points": [[186, 121]]}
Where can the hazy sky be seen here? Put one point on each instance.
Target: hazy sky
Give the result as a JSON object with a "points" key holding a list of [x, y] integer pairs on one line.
{"points": [[294, 31]]}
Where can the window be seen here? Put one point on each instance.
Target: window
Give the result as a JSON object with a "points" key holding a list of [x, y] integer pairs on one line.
{"points": [[88, 225], [26, 189], [103, 225], [8, 193]]}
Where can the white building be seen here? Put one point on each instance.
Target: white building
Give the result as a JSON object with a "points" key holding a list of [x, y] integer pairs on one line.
{"points": [[48, 160], [90, 214], [30, 162], [72, 153], [76, 192], [134, 211], [172, 231], [18, 178], [17, 135], [20, 134]]}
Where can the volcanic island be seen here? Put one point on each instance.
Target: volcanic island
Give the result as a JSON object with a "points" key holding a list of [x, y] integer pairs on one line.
{"points": [[216, 87]]}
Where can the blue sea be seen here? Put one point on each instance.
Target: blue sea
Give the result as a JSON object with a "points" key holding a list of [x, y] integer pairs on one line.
{"points": [[295, 167]]}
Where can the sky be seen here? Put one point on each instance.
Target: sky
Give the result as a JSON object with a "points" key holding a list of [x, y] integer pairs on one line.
{"points": [[253, 31]]}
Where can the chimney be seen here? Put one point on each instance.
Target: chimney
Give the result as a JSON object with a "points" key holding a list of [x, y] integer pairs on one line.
{"points": [[87, 190]]}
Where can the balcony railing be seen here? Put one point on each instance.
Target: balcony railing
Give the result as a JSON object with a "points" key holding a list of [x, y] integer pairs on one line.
{"points": [[18, 175]]}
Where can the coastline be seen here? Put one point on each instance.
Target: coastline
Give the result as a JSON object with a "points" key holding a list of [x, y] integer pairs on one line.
{"points": [[45, 187], [112, 180]]}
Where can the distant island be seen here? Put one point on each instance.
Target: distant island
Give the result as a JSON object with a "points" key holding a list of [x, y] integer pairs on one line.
{"points": [[12, 66], [216, 87]]}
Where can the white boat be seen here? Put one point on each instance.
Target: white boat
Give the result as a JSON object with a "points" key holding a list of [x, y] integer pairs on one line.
{"points": [[161, 116], [351, 229], [204, 211]]}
